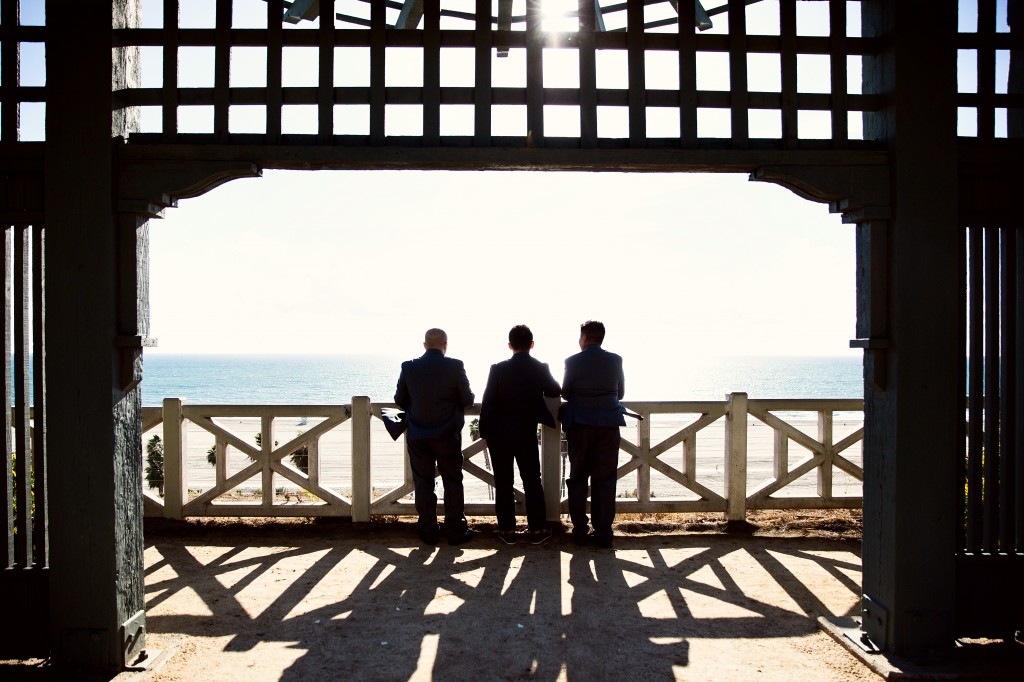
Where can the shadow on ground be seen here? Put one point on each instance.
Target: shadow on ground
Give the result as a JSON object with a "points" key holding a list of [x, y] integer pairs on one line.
{"points": [[379, 606]]}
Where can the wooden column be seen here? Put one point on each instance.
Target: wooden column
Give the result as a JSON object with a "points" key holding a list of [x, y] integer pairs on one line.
{"points": [[94, 416], [911, 404], [736, 458]]}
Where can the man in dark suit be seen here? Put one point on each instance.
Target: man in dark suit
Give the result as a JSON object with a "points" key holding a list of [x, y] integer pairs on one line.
{"points": [[591, 416], [512, 406], [434, 392]]}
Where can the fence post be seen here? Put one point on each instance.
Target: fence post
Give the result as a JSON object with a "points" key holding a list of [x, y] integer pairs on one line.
{"points": [[643, 472], [825, 470], [175, 458], [736, 458], [550, 464], [361, 417]]}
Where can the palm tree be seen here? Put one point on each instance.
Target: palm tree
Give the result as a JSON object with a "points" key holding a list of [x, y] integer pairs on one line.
{"points": [[299, 458], [155, 464]]}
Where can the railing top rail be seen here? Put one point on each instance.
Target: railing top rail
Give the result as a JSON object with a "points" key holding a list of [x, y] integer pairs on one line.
{"points": [[675, 406], [266, 410], [809, 404]]}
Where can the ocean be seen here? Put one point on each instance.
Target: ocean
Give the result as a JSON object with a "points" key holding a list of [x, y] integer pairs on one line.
{"points": [[334, 379]]}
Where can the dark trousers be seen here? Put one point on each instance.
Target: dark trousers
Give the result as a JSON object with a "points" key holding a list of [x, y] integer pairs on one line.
{"points": [[522, 449], [444, 453], [593, 458]]}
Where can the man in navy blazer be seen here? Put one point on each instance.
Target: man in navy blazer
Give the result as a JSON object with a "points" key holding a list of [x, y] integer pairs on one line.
{"points": [[434, 392], [512, 406], [591, 416]]}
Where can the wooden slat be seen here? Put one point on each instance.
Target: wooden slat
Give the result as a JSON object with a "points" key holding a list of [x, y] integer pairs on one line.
{"points": [[226, 436], [961, 390], [431, 73], [222, 70], [391, 497], [275, 38], [39, 459], [588, 75], [685, 481], [637, 88], [682, 435], [788, 63], [986, 69], [837, 67], [1018, 452], [377, 82], [803, 468], [7, 559], [170, 35], [22, 280], [534, 75], [216, 491], [10, 67], [482, 36], [687, 49], [738, 74], [325, 89], [991, 465], [975, 389], [1007, 387]]}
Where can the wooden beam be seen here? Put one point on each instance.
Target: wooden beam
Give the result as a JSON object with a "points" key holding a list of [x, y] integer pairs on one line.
{"points": [[410, 15]]}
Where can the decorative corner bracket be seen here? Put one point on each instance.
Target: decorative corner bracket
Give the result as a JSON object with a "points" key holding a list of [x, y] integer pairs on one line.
{"points": [[860, 193]]}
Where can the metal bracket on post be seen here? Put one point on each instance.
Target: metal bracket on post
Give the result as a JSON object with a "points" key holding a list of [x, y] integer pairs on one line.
{"points": [[874, 623], [129, 350], [875, 360], [133, 642]]}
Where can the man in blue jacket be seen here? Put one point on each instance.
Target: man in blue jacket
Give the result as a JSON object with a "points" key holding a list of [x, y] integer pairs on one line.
{"points": [[512, 406], [591, 417], [434, 392]]}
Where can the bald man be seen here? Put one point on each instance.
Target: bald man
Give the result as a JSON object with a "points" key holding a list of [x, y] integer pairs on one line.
{"points": [[434, 392]]}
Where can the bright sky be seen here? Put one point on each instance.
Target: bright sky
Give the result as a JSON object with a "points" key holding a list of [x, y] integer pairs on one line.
{"points": [[364, 262]]}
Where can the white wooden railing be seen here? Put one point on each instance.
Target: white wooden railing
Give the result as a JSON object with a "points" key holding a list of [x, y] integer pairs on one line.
{"points": [[725, 456]]}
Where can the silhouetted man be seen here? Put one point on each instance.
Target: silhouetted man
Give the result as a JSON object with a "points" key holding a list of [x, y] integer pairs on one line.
{"points": [[434, 392], [591, 418], [512, 406]]}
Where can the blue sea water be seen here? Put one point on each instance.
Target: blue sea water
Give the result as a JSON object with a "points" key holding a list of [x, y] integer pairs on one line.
{"points": [[334, 379]]}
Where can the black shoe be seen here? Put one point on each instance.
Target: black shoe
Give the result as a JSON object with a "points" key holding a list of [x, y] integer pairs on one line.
{"points": [[601, 541], [459, 538], [509, 537], [539, 537], [580, 539], [429, 539]]}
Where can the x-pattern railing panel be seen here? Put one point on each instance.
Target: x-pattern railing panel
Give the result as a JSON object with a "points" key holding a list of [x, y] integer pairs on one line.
{"points": [[825, 454], [266, 461], [704, 484], [646, 456]]}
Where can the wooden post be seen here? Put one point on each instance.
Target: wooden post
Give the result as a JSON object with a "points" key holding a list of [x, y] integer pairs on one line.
{"points": [[361, 480], [550, 463], [736, 458], [825, 470], [94, 439], [643, 472], [913, 415], [781, 450], [267, 475], [175, 449]]}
